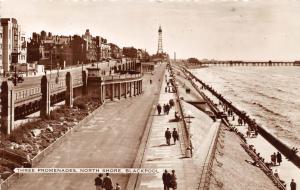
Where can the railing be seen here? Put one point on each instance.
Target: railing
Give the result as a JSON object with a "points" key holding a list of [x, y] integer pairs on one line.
{"points": [[188, 143], [207, 168], [120, 77], [264, 168]]}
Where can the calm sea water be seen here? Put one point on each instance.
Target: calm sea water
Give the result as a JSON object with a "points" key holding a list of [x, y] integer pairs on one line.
{"points": [[271, 95]]}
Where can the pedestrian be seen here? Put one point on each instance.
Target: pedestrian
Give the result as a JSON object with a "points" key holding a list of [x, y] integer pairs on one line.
{"points": [[177, 117], [167, 109], [248, 133], [164, 109], [175, 135], [168, 136], [99, 182], [273, 159], [118, 187], [166, 177], [279, 158], [150, 81], [166, 89], [158, 107], [173, 183], [107, 182], [171, 103], [293, 185]]}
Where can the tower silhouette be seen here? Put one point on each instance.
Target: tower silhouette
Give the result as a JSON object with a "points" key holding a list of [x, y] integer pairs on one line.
{"points": [[159, 48]]}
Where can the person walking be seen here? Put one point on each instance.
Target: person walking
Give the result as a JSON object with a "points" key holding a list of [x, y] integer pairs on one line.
{"points": [[107, 182], [175, 135], [293, 185], [164, 109], [279, 158], [166, 177], [158, 107], [168, 136], [99, 182], [173, 182], [167, 109], [273, 159]]}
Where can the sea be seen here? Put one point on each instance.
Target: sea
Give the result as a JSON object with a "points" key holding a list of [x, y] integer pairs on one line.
{"points": [[270, 95]]}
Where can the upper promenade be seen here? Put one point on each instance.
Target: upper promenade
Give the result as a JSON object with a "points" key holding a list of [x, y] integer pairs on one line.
{"points": [[38, 93], [110, 139]]}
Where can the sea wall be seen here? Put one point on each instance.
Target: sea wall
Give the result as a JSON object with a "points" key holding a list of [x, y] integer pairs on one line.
{"points": [[281, 146]]}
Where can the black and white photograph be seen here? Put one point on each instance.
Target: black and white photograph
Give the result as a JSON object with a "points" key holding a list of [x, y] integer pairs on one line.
{"points": [[149, 94]]}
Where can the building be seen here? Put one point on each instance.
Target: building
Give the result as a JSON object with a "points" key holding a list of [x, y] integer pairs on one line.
{"points": [[1, 66], [79, 50], [105, 51], [9, 42], [55, 51], [116, 52], [13, 44], [91, 47], [130, 52], [22, 49]]}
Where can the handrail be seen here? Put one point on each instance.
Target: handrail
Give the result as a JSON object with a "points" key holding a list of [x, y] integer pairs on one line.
{"points": [[188, 143]]}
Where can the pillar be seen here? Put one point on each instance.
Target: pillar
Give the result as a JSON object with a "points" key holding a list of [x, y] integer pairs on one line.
{"points": [[112, 91], [45, 101], [134, 88], [125, 89], [120, 90], [84, 83], [8, 106], [130, 89], [140, 87], [103, 93], [69, 91]]}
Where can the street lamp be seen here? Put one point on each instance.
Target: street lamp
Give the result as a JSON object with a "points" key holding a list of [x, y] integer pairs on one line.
{"points": [[82, 57], [14, 58], [53, 48]]}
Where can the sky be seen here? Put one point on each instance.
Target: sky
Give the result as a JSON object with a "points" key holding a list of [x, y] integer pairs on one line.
{"points": [[206, 29]]}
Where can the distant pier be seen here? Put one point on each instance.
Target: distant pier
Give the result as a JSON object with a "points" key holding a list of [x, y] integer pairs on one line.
{"points": [[241, 63]]}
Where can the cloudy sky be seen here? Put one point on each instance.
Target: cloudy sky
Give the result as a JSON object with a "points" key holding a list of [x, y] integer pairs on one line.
{"points": [[219, 29]]}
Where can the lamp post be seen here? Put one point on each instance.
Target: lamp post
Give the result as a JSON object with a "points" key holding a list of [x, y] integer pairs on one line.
{"points": [[82, 57], [14, 57], [189, 113]]}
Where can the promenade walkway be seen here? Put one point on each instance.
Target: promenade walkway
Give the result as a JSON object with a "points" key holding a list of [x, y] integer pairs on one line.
{"points": [[111, 139], [287, 170], [159, 155]]}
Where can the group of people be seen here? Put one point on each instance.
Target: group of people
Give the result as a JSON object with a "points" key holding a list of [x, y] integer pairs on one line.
{"points": [[105, 183], [276, 158], [166, 107], [169, 180], [169, 135]]}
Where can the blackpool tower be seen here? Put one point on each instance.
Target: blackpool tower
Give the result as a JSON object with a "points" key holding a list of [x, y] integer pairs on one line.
{"points": [[159, 48]]}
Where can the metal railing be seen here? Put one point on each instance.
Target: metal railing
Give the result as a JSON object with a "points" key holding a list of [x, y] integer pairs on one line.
{"points": [[188, 143]]}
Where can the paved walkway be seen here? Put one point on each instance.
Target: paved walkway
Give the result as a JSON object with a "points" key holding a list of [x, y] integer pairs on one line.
{"points": [[111, 139], [287, 170], [159, 155]]}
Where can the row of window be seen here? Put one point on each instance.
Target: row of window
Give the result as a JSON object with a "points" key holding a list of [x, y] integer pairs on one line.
{"points": [[28, 92]]}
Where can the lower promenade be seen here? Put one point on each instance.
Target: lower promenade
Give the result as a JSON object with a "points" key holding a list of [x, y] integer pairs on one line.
{"points": [[111, 139]]}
